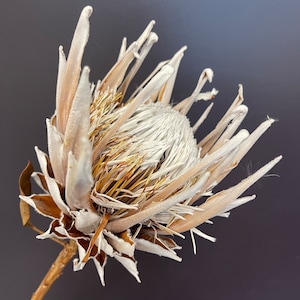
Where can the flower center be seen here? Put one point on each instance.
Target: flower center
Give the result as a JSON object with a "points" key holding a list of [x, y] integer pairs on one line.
{"points": [[153, 147]]}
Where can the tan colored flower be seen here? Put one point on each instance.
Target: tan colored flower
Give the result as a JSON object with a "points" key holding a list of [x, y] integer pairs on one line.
{"points": [[124, 173]]}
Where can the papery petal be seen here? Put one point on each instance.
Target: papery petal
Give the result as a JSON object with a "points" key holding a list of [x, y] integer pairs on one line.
{"points": [[166, 91], [201, 234], [99, 259], [236, 118], [129, 264], [147, 246], [202, 117], [115, 76], [139, 60], [100, 268], [119, 244], [61, 73], [79, 180], [67, 88], [40, 180], [103, 245], [43, 204], [238, 202], [208, 141], [79, 118], [86, 221], [185, 105], [47, 234], [51, 182], [56, 152], [220, 201], [78, 263], [52, 232]]}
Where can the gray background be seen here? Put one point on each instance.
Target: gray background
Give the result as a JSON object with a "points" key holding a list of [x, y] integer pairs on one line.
{"points": [[257, 43]]}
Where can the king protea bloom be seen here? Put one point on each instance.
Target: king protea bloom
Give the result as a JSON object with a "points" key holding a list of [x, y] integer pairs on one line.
{"points": [[125, 172]]}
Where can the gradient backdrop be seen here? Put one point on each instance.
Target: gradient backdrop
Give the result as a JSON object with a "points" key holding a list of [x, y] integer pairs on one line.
{"points": [[257, 43]]}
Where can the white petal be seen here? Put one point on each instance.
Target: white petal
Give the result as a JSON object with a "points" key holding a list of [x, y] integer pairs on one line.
{"points": [[129, 264], [207, 142], [61, 73], [69, 82], [79, 179], [152, 38], [100, 270], [115, 76], [104, 245], [202, 117], [238, 202], [236, 118], [123, 48], [35, 176], [86, 221], [78, 264], [79, 118], [119, 244], [56, 152], [220, 201], [29, 201], [48, 234], [166, 92], [185, 105], [201, 234], [146, 246], [52, 184]]}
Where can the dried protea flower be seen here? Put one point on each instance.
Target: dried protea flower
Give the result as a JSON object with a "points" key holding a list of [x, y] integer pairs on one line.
{"points": [[124, 173]]}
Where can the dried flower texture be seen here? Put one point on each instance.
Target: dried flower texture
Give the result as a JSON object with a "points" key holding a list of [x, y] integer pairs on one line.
{"points": [[124, 172]]}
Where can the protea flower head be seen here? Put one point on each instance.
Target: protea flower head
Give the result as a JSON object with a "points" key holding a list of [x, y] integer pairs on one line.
{"points": [[124, 172]]}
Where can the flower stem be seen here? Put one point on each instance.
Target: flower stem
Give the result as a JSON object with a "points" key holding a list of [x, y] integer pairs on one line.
{"points": [[55, 270]]}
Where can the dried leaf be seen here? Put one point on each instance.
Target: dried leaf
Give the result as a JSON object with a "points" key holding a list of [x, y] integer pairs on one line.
{"points": [[24, 212], [24, 180], [25, 190], [46, 205]]}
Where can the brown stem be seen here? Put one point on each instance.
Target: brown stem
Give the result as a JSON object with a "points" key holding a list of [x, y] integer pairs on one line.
{"points": [[55, 270]]}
